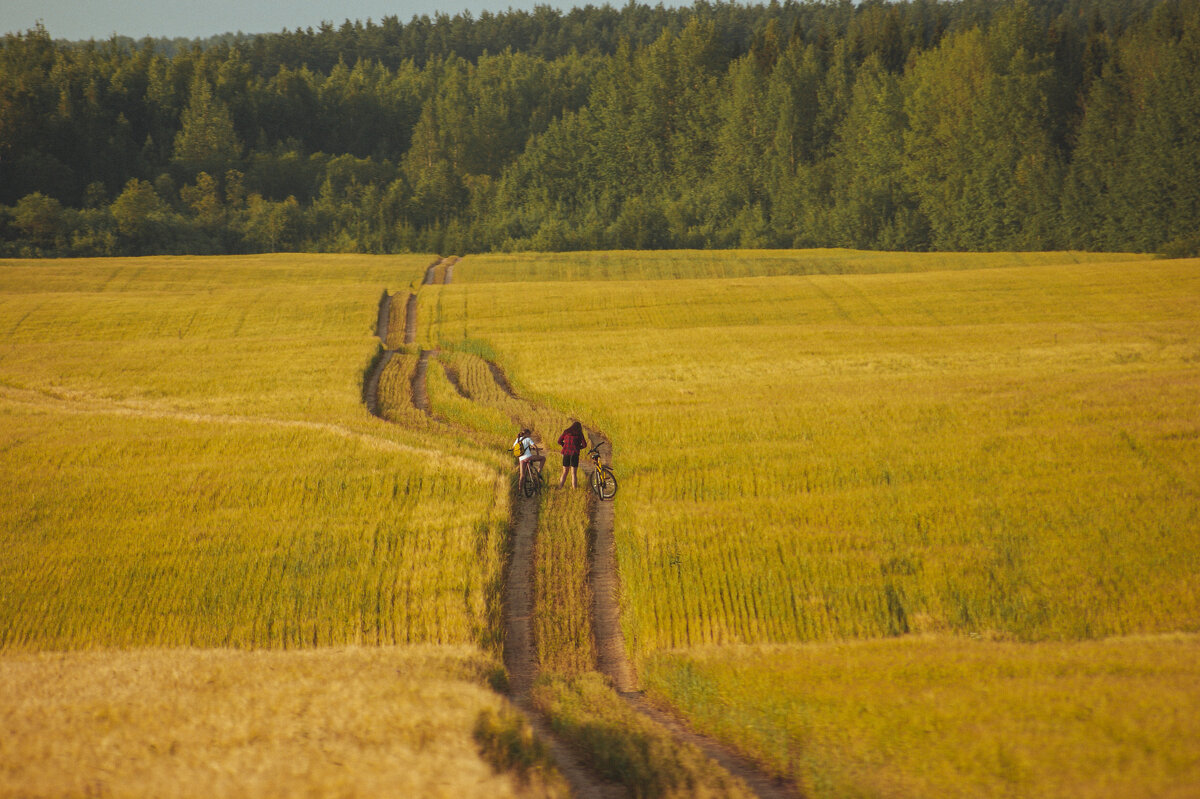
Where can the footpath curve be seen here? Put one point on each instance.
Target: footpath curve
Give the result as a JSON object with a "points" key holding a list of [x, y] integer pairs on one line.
{"points": [[520, 646], [520, 657]]}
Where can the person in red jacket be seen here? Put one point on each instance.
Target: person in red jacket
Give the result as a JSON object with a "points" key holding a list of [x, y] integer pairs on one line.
{"points": [[571, 441]]}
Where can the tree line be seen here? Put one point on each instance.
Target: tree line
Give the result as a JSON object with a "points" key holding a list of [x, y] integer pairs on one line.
{"points": [[912, 125]]}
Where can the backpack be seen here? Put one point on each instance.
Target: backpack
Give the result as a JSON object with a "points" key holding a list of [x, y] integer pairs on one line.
{"points": [[516, 448]]}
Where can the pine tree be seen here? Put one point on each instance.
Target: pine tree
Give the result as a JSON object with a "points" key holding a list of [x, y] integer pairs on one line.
{"points": [[206, 141]]}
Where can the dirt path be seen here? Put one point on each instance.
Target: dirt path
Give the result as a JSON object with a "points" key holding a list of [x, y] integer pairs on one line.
{"points": [[439, 271], [385, 310], [371, 386], [520, 652], [759, 782], [420, 397], [410, 320], [583, 783], [520, 655], [429, 273], [520, 646], [612, 659]]}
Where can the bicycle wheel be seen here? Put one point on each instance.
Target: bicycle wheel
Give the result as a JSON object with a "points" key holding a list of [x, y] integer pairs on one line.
{"points": [[533, 482], [604, 483]]}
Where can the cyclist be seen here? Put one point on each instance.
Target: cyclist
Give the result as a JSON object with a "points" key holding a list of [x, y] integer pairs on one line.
{"points": [[527, 453], [572, 441]]}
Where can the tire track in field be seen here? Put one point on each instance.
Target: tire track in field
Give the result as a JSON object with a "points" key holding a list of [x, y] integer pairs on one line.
{"points": [[385, 311], [420, 397], [420, 394], [456, 381], [520, 646], [410, 320], [758, 781], [371, 384], [612, 659]]}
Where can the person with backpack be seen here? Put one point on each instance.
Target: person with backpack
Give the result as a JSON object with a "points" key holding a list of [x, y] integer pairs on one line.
{"points": [[572, 442], [527, 453]]}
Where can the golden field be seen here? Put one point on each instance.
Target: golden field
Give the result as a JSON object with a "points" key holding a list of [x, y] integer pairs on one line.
{"points": [[968, 458], [365, 721], [186, 461], [938, 510], [953, 717], [1007, 452]]}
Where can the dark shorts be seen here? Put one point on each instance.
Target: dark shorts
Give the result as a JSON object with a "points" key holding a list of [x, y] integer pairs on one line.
{"points": [[571, 461]]}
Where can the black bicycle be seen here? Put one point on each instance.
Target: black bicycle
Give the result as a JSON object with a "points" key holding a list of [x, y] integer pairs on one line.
{"points": [[604, 482], [531, 481]]}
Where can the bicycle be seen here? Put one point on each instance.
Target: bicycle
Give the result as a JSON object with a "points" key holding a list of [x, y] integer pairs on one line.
{"points": [[531, 481], [604, 482]]}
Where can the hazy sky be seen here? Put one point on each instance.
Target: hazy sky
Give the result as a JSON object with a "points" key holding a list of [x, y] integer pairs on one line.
{"points": [[99, 19]]}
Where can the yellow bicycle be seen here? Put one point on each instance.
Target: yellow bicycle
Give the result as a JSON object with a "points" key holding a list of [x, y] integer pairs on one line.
{"points": [[604, 482]]}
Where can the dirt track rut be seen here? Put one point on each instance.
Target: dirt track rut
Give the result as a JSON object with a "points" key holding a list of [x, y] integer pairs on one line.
{"points": [[612, 659], [410, 320], [520, 658], [420, 398], [520, 646]]}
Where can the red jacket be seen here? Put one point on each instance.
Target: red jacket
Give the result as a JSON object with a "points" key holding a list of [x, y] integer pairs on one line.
{"points": [[571, 443]]}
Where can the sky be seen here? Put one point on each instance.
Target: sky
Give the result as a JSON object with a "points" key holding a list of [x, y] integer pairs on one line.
{"points": [[100, 19]]}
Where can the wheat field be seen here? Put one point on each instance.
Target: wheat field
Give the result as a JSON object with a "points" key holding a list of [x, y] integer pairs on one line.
{"points": [[1009, 452], [992, 463], [360, 721], [190, 484], [971, 476], [954, 717], [186, 461]]}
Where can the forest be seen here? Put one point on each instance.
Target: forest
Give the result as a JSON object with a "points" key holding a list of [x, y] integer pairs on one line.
{"points": [[912, 125]]}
